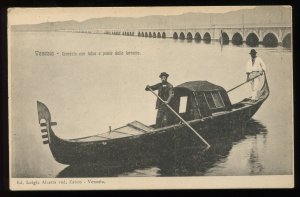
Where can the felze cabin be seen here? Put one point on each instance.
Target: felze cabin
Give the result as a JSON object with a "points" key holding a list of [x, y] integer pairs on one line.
{"points": [[199, 99]]}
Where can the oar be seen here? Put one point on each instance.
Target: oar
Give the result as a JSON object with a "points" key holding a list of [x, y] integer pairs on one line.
{"points": [[244, 83], [187, 124]]}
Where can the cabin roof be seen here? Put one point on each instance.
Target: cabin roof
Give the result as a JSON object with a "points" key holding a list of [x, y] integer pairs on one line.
{"points": [[197, 86]]}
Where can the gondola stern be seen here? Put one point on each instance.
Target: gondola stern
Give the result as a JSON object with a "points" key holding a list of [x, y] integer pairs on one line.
{"points": [[265, 90]]}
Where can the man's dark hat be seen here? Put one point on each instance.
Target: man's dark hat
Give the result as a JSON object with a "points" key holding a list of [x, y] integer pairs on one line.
{"points": [[253, 52], [163, 74]]}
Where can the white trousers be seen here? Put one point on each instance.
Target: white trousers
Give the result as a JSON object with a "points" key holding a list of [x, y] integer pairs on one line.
{"points": [[255, 85]]}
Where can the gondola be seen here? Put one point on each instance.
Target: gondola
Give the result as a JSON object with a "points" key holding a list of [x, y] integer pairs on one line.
{"points": [[204, 106]]}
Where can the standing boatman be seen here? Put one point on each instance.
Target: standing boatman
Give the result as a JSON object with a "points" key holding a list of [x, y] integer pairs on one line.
{"points": [[166, 92], [255, 67]]}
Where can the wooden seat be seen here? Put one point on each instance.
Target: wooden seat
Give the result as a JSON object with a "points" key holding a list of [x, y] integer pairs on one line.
{"points": [[131, 129], [140, 126]]}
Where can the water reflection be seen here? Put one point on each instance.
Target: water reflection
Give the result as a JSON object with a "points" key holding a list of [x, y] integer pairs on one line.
{"points": [[184, 161], [255, 165], [237, 43]]}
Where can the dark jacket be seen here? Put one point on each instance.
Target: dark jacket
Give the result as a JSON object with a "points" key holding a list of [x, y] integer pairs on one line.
{"points": [[165, 92]]}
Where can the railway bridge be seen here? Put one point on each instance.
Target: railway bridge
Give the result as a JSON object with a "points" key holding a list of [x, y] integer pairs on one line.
{"points": [[252, 35], [269, 36]]}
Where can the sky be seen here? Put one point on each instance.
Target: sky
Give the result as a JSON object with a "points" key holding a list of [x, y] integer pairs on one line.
{"points": [[39, 15]]}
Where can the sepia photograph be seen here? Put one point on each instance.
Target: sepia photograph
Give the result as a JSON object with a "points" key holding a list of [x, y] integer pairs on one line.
{"points": [[192, 97]]}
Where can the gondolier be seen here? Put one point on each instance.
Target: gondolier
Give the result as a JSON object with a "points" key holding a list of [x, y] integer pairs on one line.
{"points": [[166, 92], [255, 67]]}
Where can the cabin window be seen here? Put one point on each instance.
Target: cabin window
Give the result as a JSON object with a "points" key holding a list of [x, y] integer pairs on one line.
{"points": [[183, 104], [218, 99], [214, 99]]}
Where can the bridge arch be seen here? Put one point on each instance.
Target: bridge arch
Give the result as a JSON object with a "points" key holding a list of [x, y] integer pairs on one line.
{"points": [[146, 34], [142, 34], [150, 34], [270, 40], [189, 36], [163, 35], [197, 37], [207, 37], [286, 41], [237, 39], [175, 35], [154, 35], [225, 38], [252, 39], [270, 32], [158, 35], [139, 34], [181, 36]]}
